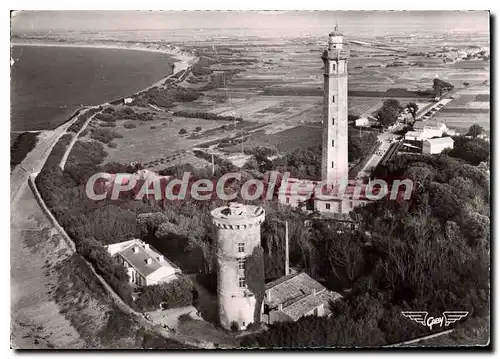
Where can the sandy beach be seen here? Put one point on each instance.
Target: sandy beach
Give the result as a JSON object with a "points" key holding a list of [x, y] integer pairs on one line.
{"points": [[183, 58]]}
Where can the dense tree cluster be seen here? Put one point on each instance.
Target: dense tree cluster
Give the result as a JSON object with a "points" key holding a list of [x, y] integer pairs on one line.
{"points": [[472, 150], [124, 113], [429, 252], [412, 108], [104, 135], [475, 131], [90, 224], [206, 116], [165, 97], [174, 294], [440, 87], [82, 118], [389, 112]]}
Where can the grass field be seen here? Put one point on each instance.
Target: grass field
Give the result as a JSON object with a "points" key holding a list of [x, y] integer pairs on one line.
{"points": [[284, 141], [156, 139]]}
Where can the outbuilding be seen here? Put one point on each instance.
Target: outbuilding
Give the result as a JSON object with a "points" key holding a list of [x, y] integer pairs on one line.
{"points": [[437, 145]]}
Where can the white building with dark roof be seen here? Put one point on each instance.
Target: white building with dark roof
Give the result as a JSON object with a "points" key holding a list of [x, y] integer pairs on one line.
{"points": [[294, 296], [144, 264]]}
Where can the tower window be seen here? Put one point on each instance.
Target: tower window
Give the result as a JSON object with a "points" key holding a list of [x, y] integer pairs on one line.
{"points": [[333, 121], [333, 67], [333, 143], [241, 263], [241, 282], [327, 205], [333, 99], [241, 247], [333, 164]]}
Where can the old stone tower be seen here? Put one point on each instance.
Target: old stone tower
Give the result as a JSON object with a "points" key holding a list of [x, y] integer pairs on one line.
{"points": [[238, 233], [334, 155]]}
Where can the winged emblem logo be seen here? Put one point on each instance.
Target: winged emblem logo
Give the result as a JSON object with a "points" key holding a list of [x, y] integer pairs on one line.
{"points": [[449, 317]]}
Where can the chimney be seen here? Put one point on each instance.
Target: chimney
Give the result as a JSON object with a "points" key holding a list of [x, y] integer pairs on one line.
{"points": [[287, 264], [149, 261], [269, 295], [161, 258], [136, 249], [146, 246]]}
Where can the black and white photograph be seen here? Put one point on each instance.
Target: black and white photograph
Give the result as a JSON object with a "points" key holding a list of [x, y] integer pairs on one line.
{"points": [[241, 180]]}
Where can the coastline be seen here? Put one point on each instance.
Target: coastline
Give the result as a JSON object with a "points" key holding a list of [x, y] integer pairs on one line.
{"points": [[183, 58]]}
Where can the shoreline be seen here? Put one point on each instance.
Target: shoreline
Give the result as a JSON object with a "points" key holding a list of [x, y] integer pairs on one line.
{"points": [[182, 60]]}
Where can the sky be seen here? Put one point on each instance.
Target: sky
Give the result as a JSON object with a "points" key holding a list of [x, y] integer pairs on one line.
{"points": [[25, 22]]}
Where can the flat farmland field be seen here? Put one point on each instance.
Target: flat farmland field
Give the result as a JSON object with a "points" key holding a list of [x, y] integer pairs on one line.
{"points": [[156, 139], [462, 121], [284, 141]]}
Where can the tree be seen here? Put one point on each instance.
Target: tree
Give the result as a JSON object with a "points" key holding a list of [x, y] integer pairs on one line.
{"points": [[176, 293], [389, 112], [182, 131], [440, 87], [413, 108], [254, 276], [421, 177], [472, 150], [475, 131], [444, 202]]}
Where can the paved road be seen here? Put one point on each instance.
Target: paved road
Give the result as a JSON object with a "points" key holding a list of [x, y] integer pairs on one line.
{"points": [[75, 137], [385, 139]]}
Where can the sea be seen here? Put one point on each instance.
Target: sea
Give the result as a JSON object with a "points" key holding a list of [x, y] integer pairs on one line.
{"points": [[48, 83]]}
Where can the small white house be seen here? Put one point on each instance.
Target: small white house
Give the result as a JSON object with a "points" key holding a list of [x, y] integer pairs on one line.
{"points": [[437, 145], [128, 100], [414, 136], [362, 122], [144, 264]]}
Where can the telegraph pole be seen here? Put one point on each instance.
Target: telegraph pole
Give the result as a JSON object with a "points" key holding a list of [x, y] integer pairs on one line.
{"points": [[287, 264], [213, 165]]}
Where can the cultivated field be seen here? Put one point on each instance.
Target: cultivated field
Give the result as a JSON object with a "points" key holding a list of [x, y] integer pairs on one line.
{"points": [[275, 85]]}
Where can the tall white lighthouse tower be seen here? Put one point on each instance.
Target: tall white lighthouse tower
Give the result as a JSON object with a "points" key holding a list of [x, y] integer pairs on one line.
{"points": [[334, 156]]}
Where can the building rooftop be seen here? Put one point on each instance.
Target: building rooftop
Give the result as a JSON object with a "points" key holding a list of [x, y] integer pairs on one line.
{"points": [[291, 288], [141, 256], [297, 294], [237, 210], [440, 140], [305, 305], [429, 124], [413, 134]]}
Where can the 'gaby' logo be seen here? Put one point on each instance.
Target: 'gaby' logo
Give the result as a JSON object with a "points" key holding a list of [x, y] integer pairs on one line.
{"points": [[449, 317]]}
